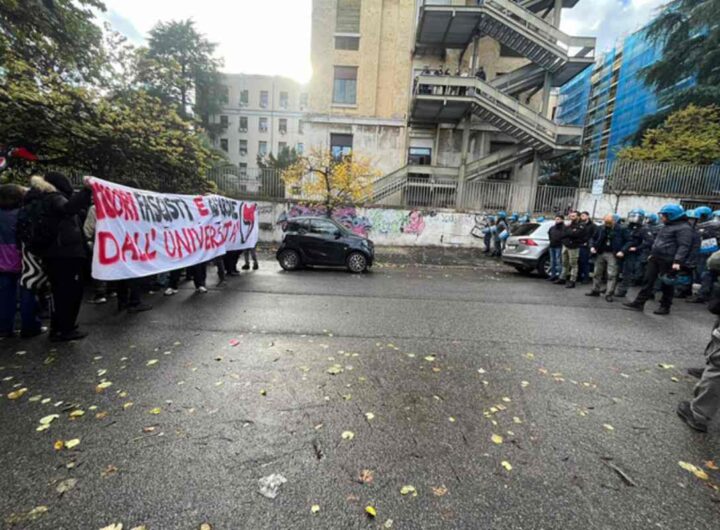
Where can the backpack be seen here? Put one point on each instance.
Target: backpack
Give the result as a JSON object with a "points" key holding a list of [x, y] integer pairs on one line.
{"points": [[37, 229]]}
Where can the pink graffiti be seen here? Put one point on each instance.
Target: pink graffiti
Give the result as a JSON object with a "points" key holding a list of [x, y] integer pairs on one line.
{"points": [[346, 216], [415, 223]]}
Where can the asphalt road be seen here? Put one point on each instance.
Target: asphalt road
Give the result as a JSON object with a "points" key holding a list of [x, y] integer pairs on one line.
{"points": [[443, 359]]}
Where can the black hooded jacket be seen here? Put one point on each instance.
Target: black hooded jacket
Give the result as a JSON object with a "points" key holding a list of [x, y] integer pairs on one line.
{"points": [[675, 243]]}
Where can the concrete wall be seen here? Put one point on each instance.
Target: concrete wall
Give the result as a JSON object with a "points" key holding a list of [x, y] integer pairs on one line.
{"points": [[385, 226], [649, 203]]}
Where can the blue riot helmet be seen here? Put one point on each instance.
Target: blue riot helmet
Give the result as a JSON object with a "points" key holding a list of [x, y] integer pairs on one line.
{"points": [[691, 214], [514, 217], [540, 219], [491, 218], [653, 218], [703, 213], [676, 279], [525, 219], [617, 218], [672, 212], [502, 214], [716, 215], [636, 216]]}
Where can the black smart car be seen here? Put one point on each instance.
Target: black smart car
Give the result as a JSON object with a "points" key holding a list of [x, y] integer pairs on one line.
{"points": [[322, 241]]}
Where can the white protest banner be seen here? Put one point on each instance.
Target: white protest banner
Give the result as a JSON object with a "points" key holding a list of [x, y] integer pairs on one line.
{"points": [[139, 233]]}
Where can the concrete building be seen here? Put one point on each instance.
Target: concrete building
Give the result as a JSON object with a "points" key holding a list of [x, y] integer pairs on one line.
{"points": [[261, 115], [369, 92]]}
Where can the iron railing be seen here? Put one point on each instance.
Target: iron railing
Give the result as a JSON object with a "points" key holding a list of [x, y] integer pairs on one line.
{"points": [[650, 178], [249, 183]]}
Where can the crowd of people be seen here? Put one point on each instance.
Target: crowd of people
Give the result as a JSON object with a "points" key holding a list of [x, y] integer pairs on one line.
{"points": [[46, 237], [667, 252], [443, 71]]}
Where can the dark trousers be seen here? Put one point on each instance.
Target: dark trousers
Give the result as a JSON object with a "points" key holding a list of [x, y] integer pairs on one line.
{"points": [[198, 273], [584, 264], [29, 307], [655, 268], [129, 292], [66, 285], [230, 260]]}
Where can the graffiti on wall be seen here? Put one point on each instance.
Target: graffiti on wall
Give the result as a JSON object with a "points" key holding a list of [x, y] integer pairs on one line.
{"points": [[346, 216], [394, 222]]}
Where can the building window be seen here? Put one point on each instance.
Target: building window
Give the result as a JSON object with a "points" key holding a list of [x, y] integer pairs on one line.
{"points": [[341, 145], [345, 85], [243, 147], [301, 127], [224, 122], [264, 98], [281, 147], [243, 124], [263, 125], [224, 144], [262, 148], [244, 98], [347, 19], [225, 94], [243, 168], [300, 149], [343, 42], [303, 100], [282, 125], [420, 156], [284, 100]]}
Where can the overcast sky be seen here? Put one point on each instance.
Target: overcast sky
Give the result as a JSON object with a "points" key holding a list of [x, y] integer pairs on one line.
{"points": [[273, 36]]}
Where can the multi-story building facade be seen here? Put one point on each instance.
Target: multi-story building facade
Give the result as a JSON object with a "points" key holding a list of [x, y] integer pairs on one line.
{"points": [[489, 118], [611, 100], [260, 115]]}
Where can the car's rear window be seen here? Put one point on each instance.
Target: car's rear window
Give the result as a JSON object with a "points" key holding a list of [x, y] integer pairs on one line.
{"points": [[525, 229]]}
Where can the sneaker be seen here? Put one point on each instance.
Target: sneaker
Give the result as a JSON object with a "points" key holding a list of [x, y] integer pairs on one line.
{"points": [[98, 300], [202, 289], [139, 308], [609, 298], [246, 267], [170, 291], [662, 311], [68, 336], [686, 415], [695, 372], [33, 333], [570, 285], [255, 266], [634, 306], [593, 293]]}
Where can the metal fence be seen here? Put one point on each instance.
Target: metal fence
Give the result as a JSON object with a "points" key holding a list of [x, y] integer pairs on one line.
{"points": [[650, 178], [249, 183]]}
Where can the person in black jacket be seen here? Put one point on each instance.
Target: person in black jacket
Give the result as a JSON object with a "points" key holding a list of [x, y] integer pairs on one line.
{"points": [[671, 253], [576, 234], [607, 245], [637, 247], [584, 256], [64, 259], [555, 235]]}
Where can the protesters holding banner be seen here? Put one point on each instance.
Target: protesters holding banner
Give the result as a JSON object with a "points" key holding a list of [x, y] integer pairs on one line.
{"points": [[49, 226], [250, 252]]}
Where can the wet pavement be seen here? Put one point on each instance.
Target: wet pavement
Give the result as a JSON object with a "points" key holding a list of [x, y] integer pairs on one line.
{"points": [[504, 401]]}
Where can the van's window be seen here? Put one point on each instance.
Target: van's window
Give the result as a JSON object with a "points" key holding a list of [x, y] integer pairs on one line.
{"points": [[525, 229]]}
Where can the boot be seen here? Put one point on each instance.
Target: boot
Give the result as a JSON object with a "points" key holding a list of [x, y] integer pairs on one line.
{"points": [[561, 281], [695, 372], [593, 293], [255, 265], [686, 415], [246, 267], [662, 310], [570, 285], [609, 298], [696, 299], [634, 306], [68, 336]]}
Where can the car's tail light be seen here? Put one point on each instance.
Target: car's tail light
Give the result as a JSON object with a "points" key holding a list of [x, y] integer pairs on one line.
{"points": [[528, 242]]}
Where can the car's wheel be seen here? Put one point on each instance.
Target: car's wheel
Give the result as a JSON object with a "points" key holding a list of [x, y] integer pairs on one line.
{"points": [[289, 260], [357, 262], [522, 269], [543, 266]]}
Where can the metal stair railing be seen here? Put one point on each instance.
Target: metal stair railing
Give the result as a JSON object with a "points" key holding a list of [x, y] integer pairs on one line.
{"points": [[519, 80], [498, 161]]}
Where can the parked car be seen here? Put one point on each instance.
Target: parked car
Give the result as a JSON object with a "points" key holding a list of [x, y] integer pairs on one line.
{"points": [[322, 241], [527, 248]]}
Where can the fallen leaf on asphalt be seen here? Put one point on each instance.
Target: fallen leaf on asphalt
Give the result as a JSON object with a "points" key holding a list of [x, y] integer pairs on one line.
{"points": [[77, 413], [524, 384], [141, 527], [674, 379], [59, 445], [506, 465], [440, 491], [69, 444], [156, 410], [205, 526], [127, 405], [530, 355], [115, 526], [347, 397], [315, 508], [710, 464], [496, 439], [37, 512], [372, 512], [109, 470], [516, 419], [411, 355], [366, 476], [506, 399], [436, 369], [102, 386], [608, 427], [102, 372], [665, 366], [388, 523], [151, 362], [47, 420], [263, 392], [34, 399], [408, 490], [66, 485], [369, 416], [348, 435], [429, 358], [17, 394], [148, 429], [451, 419], [101, 415], [234, 342], [699, 473], [481, 371], [335, 369]]}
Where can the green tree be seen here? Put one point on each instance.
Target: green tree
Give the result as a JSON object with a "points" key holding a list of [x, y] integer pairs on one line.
{"points": [[689, 32], [285, 158], [688, 136], [179, 67], [563, 171]]}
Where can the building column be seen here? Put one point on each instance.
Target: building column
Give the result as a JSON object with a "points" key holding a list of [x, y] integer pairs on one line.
{"points": [[460, 192]]}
